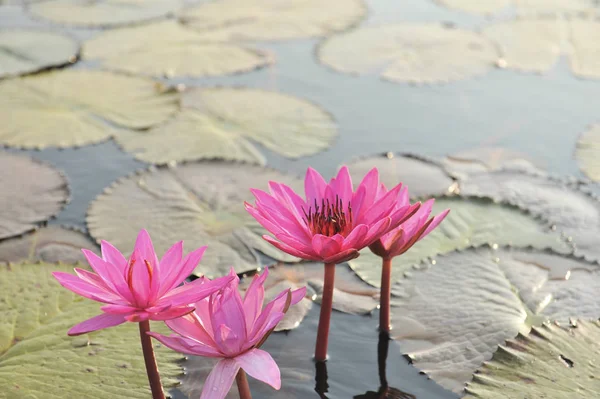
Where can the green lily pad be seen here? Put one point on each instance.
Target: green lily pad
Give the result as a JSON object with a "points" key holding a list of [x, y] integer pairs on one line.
{"points": [[571, 211], [32, 192], [536, 44], [200, 203], [78, 107], [587, 152], [244, 20], [38, 359], [52, 244], [168, 49], [552, 362], [224, 123], [26, 51], [471, 222], [422, 177], [450, 317], [410, 52], [103, 13]]}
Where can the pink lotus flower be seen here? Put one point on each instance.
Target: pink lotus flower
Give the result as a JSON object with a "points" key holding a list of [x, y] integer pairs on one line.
{"points": [[334, 222], [140, 289], [403, 237], [230, 328]]}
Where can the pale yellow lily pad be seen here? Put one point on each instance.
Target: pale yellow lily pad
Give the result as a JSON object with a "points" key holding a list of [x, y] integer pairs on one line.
{"points": [[26, 51], [39, 360], [78, 107], [536, 45], [52, 244], [522, 6], [551, 362], [245, 20], [99, 13], [410, 52], [168, 49], [224, 123], [31, 192], [200, 203], [451, 316], [587, 152]]}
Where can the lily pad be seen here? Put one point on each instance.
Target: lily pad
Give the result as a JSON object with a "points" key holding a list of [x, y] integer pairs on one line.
{"points": [[471, 222], [487, 159], [168, 49], [50, 244], [243, 20], [535, 45], [103, 13], [450, 317], [587, 152], [552, 362], [200, 203], [32, 192], [78, 107], [570, 210], [422, 177], [38, 359], [410, 52], [26, 51], [523, 6], [224, 123]]}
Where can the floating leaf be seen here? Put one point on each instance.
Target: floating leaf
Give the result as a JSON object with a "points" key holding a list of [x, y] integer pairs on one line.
{"points": [[587, 152], [451, 316], [241, 20], [78, 107], [535, 45], [423, 178], [50, 244], [168, 49], [26, 51], [573, 212], [471, 222], [523, 6], [419, 53], [39, 360], [32, 192], [487, 159], [200, 203], [223, 123], [103, 13], [552, 362]]}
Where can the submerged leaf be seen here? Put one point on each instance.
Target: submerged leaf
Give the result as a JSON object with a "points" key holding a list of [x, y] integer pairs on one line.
{"points": [[419, 53], [200, 203], [454, 314], [471, 222], [423, 178], [587, 152], [168, 49], [32, 192], [99, 13], [50, 244], [78, 107], [242, 20], [552, 362], [39, 360], [223, 123], [26, 51], [487, 159]]}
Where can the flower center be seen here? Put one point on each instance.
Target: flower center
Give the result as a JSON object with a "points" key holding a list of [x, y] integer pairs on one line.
{"points": [[329, 218], [132, 262]]}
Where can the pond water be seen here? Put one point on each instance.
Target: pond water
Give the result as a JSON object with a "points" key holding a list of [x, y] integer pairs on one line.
{"points": [[538, 115]]}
